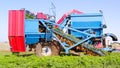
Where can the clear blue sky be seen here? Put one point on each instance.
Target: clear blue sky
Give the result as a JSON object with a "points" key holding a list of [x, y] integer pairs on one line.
{"points": [[110, 8]]}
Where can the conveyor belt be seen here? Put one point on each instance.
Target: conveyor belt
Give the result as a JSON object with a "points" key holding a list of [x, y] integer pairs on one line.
{"points": [[71, 40]]}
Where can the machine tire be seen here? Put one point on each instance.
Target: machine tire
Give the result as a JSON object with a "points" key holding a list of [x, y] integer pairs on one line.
{"points": [[55, 48], [38, 49], [47, 49]]}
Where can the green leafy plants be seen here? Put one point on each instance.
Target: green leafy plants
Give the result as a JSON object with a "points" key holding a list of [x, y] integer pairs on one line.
{"points": [[110, 61], [29, 16]]}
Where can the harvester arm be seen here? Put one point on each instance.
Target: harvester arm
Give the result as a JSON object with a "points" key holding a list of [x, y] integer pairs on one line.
{"points": [[69, 42], [74, 42]]}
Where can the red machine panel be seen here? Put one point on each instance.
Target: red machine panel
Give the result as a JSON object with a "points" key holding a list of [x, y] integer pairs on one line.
{"points": [[41, 16], [16, 30], [16, 23], [68, 13], [17, 43]]}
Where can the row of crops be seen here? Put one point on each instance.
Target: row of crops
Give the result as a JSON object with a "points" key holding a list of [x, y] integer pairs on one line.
{"points": [[31, 61]]}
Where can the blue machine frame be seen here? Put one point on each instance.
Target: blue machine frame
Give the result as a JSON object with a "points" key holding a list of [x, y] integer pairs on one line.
{"points": [[85, 26], [32, 34]]}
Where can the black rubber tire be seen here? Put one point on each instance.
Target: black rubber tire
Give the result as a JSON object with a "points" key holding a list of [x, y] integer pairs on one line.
{"points": [[54, 46]]}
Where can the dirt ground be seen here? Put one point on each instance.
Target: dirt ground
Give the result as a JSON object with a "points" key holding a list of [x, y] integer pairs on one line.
{"points": [[116, 45], [4, 46]]}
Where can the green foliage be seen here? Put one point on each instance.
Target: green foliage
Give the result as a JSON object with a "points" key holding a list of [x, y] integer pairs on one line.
{"points": [[110, 61], [28, 16]]}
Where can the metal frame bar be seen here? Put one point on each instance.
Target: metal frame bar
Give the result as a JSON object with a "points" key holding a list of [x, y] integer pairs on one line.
{"points": [[80, 42], [75, 30], [68, 48], [89, 36], [44, 24], [59, 41]]}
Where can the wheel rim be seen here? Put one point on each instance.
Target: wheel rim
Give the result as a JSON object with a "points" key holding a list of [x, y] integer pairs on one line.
{"points": [[46, 51]]}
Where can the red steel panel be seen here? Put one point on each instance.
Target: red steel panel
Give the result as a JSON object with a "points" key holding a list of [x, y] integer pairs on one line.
{"points": [[17, 43], [41, 16], [16, 23], [68, 13], [16, 30]]}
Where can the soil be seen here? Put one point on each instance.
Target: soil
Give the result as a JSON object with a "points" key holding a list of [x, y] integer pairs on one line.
{"points": [[4, 46]]}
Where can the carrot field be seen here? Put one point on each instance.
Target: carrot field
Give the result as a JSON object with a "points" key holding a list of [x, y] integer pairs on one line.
{"points": [[7, 60]]}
